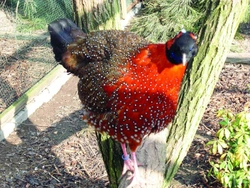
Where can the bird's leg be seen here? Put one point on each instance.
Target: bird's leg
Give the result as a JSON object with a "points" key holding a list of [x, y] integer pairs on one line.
{"points": [[136, 170], [128, 164], [136, 179], [131, 165]]}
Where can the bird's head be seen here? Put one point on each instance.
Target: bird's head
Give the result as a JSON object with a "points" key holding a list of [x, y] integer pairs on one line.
{"points": [[182, 48]]}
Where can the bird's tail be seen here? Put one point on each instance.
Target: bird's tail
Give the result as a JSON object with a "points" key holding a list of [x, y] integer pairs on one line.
{"points": [[63, 32]]}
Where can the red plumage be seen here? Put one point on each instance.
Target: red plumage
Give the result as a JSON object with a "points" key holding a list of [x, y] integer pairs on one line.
{"points": [[144, 97], [128, 85]]}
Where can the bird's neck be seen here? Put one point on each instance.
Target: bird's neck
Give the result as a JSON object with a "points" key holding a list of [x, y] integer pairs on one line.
{"points": [[157, 55]]}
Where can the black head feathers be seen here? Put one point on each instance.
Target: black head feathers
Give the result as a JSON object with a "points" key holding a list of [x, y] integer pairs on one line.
{"points": [[182, 48]]}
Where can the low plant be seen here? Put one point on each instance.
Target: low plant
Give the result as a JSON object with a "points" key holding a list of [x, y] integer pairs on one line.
{"points": [[230, 163]]}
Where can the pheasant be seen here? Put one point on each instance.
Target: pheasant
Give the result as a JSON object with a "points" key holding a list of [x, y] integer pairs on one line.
{"points": [[129, 86]]}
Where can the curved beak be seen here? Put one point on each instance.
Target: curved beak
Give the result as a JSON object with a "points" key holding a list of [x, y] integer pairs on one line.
{"points": [[184, 59]]}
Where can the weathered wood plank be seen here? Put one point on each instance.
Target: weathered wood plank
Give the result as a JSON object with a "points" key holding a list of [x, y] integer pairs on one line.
{"points": [[240, 58], [151, 155]]}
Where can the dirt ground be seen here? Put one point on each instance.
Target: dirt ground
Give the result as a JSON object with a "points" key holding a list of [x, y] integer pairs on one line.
{"points": [[22, 60], [50, 149]]}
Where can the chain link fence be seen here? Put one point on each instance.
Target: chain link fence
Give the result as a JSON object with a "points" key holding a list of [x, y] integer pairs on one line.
{"points": [[25, 53]]}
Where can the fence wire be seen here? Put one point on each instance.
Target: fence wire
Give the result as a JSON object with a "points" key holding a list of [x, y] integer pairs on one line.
{"points": [[25, 53]]}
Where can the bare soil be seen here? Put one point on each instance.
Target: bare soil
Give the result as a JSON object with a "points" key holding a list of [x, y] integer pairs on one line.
{"points": [[55, 148], [25, 58]]}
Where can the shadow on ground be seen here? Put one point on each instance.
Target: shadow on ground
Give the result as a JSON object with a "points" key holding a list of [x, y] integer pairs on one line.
{"points": [[50, 158], [50, 150]]}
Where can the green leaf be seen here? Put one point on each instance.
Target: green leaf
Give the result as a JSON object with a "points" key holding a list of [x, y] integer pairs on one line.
{"points": [[224, 122], [247, 139], [223, 165], [243, 164], [220, 113], [222, 157], [220, 148], [211, 142], [230, 166], [226, 180], [220, 134], [214, 149], [227, 133], [233, 145], [223, 144], [240, 140], [230, 115]]}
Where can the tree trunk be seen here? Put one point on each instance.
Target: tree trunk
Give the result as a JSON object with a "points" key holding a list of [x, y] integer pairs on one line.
{"points": [[111, 154], [97, 14], [216, 35]]}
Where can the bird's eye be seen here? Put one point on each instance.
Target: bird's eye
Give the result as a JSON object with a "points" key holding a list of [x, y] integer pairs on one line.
{"points": [[193, 50]]}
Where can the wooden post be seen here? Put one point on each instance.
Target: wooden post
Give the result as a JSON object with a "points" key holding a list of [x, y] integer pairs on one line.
{"points": [[151, 155]]}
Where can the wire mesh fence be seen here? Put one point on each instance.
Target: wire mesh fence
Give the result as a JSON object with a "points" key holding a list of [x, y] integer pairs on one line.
{"points": [[25, 53]]}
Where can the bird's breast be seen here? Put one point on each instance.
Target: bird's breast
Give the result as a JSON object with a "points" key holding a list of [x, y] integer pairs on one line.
{"points": [[146, 94], [142, 99]]}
